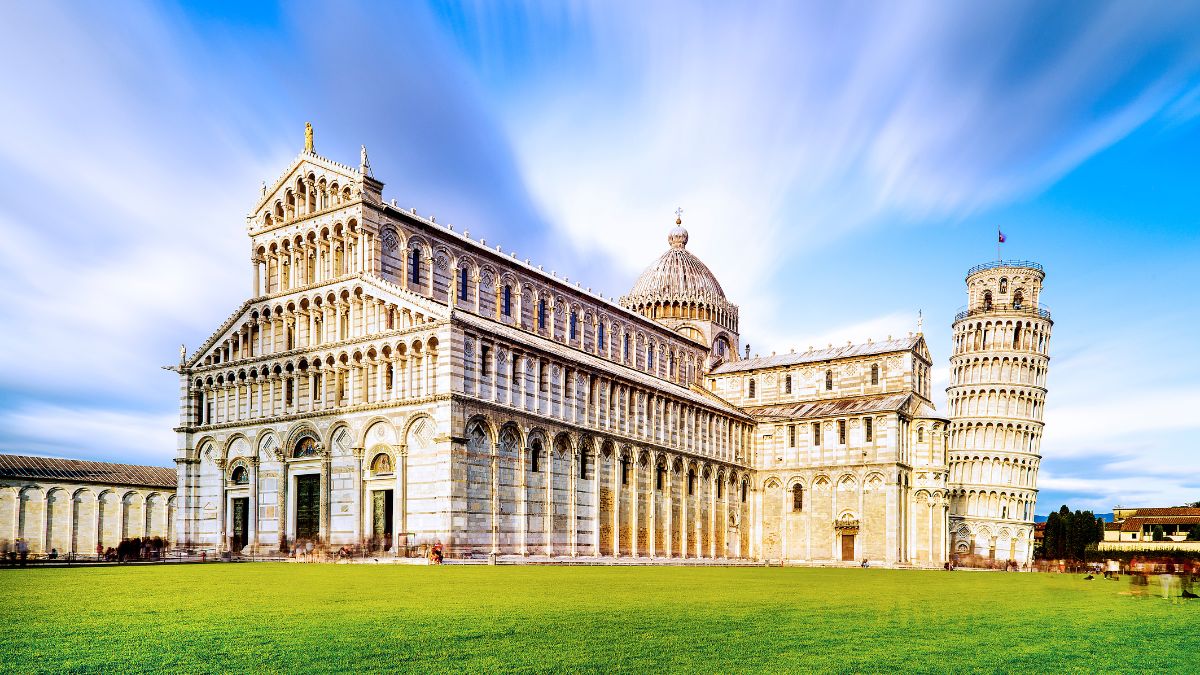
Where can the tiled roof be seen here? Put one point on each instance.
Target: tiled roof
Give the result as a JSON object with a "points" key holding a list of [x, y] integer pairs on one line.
{"points": [[1169, 511], [818, 355], [77, 470], [830, 408], [1136, 523]]}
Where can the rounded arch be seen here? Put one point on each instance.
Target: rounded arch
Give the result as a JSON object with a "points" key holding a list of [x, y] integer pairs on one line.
{"points": [[419, 431], [484, 424]]}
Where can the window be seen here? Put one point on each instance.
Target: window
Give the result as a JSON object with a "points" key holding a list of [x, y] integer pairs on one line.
{"points": [[543, 378], [574, 321], [535, 458], [624, 471], [485, 360], [1018, 298], [987, 300], [745, 489], [816, 433], [381, 464], [1003, 285], [797, 497], [600, 336], [841, 432], [462, 284], [625, 351], [691, 482], [649, 357], [750, 389], [506, 300], [659, 478], [921, 435], [869, 428], [240, 476], [875, 374], [542, 314], [583, 466], [317, 388], [414, 266], [787, 383], [829, 380], [791, 435]]}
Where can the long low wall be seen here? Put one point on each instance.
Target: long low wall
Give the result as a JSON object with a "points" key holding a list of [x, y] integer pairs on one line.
{"points": [[1149, 545]]}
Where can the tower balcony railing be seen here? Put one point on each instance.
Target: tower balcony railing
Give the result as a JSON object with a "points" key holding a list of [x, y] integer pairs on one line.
{"points": [[1029, 308], [1006, 263]]}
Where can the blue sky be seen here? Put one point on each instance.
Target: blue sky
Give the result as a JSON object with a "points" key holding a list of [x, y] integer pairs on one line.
{"points": [[840, 167]]}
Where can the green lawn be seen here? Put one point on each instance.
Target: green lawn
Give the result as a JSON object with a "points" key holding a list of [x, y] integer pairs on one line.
{"points": [[289, 617]]}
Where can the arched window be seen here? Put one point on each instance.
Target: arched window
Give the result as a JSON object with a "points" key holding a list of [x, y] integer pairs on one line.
{"points": [[1003, 285], [1018, 298], [987, 300], [583, 466], [600, 336], [750, 389], [574, 321], [787, 383], [307, 447], [240, 476], [691, 481], [875, 374], [542, 314], [920, 434], [829, 380], [649, 357], [506, 300], [535, 457], [625, 352], [381, 464], [414, 266], [745, 489], [462, 284], [797, 497]]}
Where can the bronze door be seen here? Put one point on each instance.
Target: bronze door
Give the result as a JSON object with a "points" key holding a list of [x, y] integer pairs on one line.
{"points": [[241, 523], [308, 506], [381, 519], [848, 547]]}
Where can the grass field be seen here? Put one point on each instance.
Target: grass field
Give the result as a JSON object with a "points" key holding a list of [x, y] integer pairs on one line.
{"points": [[289, 617]]}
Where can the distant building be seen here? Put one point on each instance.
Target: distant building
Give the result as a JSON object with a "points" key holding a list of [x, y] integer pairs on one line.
{"points": [[1134, 528], [72, 505]]}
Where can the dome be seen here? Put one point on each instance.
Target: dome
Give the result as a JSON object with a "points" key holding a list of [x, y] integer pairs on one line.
{"points": [[677, 275]]}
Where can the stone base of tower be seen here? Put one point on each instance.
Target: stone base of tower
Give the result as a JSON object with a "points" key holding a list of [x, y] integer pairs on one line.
{"points": [[990, 542]]}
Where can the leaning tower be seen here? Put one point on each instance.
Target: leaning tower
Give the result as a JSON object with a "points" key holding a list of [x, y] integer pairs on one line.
{"points": [[996, 398]]}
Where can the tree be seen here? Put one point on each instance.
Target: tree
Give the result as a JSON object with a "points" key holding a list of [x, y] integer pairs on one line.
{"points": [[1157, 533], [1194, 533], [1069, 534]]}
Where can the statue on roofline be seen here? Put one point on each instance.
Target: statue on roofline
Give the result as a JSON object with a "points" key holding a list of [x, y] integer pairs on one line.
{"points": [[308, 140]]}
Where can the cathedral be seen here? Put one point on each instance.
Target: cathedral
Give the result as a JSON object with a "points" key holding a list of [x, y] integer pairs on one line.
{"points": [[394, 383]]}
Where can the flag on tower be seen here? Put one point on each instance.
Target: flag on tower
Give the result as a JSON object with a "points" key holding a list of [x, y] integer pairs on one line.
{"points": [[1001, 236]]}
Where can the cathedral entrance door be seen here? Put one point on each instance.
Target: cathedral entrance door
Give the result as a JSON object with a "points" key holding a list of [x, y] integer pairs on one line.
{"points": [[308, 507], [848, 548], [240, 531], [381, 519]]}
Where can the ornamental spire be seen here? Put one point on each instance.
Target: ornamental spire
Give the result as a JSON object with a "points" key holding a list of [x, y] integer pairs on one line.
{"points": [[678, 237]]}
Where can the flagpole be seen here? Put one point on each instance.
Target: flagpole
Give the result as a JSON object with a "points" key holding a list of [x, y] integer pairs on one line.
{"points": [[998, 258]]}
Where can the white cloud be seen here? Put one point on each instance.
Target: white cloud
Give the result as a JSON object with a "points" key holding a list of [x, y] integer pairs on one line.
{"points": [[88, 433]]}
